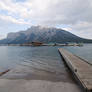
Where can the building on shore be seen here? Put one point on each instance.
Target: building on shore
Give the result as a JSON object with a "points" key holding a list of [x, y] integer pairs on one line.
{"points": [[36, 43]]}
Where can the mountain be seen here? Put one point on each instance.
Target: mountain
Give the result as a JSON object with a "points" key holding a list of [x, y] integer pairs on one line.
{"points": [[43, 34]]}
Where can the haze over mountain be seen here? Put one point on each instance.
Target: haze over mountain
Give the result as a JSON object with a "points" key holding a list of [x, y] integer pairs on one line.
{"points": [[42, 34]]}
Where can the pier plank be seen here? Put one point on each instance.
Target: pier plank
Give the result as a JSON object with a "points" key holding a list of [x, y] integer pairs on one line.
{"points": [[79, 67]]}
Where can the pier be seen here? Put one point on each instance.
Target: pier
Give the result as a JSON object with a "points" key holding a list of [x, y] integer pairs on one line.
{"points": [[81, 69]]}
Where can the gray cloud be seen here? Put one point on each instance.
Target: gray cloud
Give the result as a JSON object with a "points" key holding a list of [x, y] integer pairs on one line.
{"points": [[65, 12], [76, 14]]}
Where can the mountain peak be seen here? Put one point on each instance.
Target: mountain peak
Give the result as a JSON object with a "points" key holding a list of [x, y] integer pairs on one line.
{"points": [[42, 34]]}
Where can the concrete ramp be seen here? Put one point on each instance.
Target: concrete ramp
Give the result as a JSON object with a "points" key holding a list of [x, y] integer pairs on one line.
{"points": [[80, 68]]}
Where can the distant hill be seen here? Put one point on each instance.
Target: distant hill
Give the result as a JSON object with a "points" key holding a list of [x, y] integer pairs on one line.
{"points": [[43, 34]]}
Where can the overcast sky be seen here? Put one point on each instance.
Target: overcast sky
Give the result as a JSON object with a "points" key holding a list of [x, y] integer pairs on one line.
{"points": [[72, 15]]}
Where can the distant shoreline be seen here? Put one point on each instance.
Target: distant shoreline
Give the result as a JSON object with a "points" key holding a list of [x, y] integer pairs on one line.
{"points": [[75, 44]]}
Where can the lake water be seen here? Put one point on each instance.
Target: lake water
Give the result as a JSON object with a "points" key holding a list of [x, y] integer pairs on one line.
{"points": [[10, 56], [46, 58], [84, 52]]}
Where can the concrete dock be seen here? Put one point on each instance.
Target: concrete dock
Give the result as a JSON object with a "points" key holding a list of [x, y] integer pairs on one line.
{"points": [[81, 69]]}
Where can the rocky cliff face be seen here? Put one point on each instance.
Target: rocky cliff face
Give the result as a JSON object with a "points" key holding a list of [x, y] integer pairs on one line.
{"points": [[42, 34]]}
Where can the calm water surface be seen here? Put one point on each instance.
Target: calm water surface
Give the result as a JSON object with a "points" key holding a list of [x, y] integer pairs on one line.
{"points": [[84, 52], [10, 56], [39, 57]]}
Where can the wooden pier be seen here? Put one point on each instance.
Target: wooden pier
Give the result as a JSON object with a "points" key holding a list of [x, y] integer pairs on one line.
{"points": [[81, 69]]}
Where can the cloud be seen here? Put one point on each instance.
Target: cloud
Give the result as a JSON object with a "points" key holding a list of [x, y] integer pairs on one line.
{"points": [[13, 20], [77, 14], [50, 11], [2, 36], [83, 29]]}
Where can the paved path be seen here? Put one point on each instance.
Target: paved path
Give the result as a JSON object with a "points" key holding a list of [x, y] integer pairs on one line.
{"points": [[21, 85]]}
